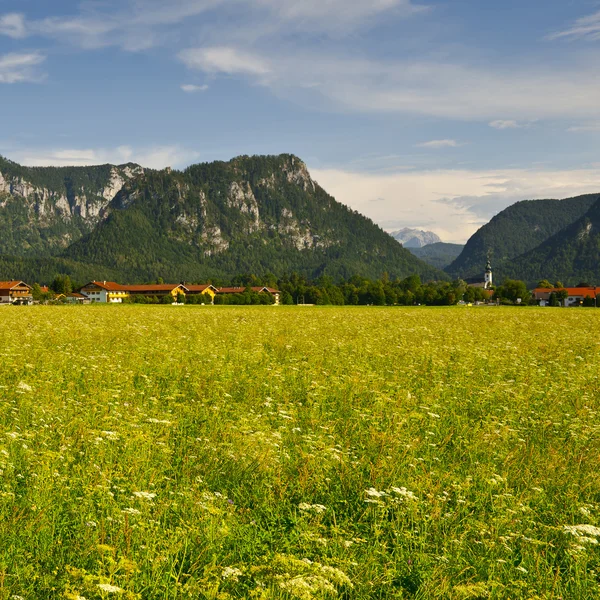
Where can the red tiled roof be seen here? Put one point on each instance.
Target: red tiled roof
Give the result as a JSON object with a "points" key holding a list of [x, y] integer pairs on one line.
{"points": [[9, 285], [153, 287], [572, 291], [199, 288], [109, 286], [241, 290], [76, 295]]}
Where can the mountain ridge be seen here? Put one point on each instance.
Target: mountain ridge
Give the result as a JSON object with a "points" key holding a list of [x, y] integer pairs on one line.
{"points": [[571, 255], [415, 238], [250, 214], [516, 230]]}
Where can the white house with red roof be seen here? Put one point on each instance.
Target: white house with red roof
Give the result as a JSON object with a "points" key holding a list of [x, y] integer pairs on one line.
{"points": [[105, 291], [575, 295], [15, 292]]}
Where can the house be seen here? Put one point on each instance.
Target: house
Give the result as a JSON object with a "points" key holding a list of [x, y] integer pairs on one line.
{"points": [[208, 289], [256, 289], [575, 295], [105, 291], [15, 292], [76, 298], [156, 289]]}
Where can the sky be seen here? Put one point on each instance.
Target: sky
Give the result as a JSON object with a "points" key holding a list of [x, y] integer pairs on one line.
{"points": [[428, 114]]}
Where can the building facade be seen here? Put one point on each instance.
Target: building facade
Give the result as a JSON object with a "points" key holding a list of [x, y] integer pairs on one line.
{"points": [[15, 292]]}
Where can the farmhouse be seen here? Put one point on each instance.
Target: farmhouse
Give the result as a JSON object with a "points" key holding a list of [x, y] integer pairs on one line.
{"points": [[207, 289], [574, 296], [76, 298], [15, 292], [256, 289], [156, 289], [105, 291]]}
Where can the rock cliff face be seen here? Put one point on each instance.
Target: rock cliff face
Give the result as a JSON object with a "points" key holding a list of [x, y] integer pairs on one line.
{"points": [[260, 214], [251, 214], [43, 210]]}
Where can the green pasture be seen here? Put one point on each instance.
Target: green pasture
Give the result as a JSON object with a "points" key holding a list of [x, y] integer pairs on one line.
{"points": [[161, 452]]}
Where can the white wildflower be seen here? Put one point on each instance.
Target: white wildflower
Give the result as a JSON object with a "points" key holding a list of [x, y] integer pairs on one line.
{"points": [[318, 508], [231, 573], [91, 524], [433, 415], [375, 493], [110, 589], [24, 387], [145, 495], [158, 421], [583, 530], [402, 491], [131, 511]]}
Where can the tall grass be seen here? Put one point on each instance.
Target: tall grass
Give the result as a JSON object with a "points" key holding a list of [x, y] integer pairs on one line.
{"points": [[271, 452]]}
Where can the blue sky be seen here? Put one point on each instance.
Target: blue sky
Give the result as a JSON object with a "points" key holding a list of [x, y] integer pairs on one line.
{"points": [[423, 114]]}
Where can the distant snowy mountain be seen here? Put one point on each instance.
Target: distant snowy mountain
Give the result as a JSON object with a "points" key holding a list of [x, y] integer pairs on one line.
{"points": [[415, 238]]}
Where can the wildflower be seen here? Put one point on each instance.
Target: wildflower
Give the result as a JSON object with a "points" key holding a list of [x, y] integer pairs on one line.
{"points": [[145, 495], [131, 511], [24, 387], [318, 508], [374, 493], [91, 524], [231, 573], [581, 531], [402, 491], [110, 589]]}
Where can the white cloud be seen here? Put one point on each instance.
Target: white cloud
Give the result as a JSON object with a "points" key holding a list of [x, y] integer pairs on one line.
{"points": [[587, 128], [453, 203], [587, 28], [20, 68], [439, 144], [13, 25], [139, 24], [444, 90], [189, 88], [222, 59], [155, 157], [500, 124]]}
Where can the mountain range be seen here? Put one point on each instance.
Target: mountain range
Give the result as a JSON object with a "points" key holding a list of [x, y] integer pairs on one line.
{"points": [[261, 214], [415, 238]]}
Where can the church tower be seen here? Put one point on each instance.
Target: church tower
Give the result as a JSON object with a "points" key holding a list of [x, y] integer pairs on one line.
{"points": [[488, 275]]}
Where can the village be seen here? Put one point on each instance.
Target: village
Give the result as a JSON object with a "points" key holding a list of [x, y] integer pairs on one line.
{"points": [[109, 292], [16, 292]]}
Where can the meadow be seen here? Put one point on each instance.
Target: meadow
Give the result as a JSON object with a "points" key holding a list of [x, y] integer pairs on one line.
{"points": [[299, 453]]}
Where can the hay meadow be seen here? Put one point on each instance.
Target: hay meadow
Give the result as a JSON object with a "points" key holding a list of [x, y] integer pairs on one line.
{"points": [[299, 453]]}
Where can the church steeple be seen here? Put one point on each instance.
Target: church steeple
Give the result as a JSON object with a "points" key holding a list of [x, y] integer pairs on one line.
{"points": [[488, 273]]}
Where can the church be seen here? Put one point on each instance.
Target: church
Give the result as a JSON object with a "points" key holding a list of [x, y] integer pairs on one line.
{"points": [[486, 282]]}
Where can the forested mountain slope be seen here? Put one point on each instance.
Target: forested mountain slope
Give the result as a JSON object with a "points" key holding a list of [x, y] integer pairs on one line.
{"points": [[571, 256], [261, 214], [516, 230], [251, 214], [44, 209], [439, 254]]}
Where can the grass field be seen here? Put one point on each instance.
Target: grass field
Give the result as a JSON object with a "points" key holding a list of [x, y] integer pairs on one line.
{"points": [[271, 452]]}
